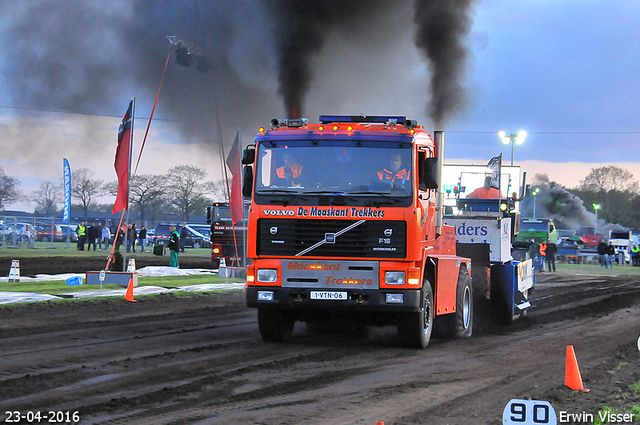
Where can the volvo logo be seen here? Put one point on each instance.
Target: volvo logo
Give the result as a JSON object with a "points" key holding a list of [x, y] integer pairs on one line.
{"points": [[388, 232], [273, 230]]}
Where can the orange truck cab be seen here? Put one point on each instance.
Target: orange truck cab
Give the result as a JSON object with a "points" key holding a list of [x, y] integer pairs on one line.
{"points": [[356, 233]]}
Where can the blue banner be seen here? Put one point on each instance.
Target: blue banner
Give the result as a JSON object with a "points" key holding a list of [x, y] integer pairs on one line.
{"points": [[66, 212]]}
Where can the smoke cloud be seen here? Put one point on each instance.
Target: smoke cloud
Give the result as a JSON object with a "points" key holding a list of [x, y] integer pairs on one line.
{"points": [[442, 27], [91, 57], [563, 207]]}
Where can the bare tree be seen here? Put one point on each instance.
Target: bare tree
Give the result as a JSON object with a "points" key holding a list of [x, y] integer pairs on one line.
{"points": [[146, 194], [84, 188], [219, 190], [605, 179], [47, 197], [187, 190], [9, 193]]}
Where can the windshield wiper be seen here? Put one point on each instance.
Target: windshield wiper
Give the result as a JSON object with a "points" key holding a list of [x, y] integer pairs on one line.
{"points": [[381, 198], [324, 192]]}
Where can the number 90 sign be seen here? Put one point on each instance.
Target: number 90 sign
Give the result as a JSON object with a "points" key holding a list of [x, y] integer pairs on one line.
{"points": [[529, 412]]}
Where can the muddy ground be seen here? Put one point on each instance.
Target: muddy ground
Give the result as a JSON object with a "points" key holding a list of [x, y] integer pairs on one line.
{"points": [[31, 266], [171, 359]]}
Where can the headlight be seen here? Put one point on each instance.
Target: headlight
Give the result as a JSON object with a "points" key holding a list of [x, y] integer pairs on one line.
{"points": [[394, 278], [267, 275], [265, 296], [394, 298]]}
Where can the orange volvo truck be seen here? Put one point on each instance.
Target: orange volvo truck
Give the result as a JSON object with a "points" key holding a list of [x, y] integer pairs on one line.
{"points": [[345, 224]]}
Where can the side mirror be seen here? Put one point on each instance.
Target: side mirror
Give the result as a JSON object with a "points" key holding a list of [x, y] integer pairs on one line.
{"points": [[208, 215], [427, 171], [247, 182], [249, 156]]}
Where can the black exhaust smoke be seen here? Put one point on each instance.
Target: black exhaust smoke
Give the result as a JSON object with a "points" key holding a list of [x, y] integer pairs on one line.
{"points": [[442, 26], [300, 34]]}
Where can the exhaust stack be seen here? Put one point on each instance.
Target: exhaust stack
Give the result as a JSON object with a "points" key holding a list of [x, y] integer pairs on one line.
{"points": [[439, 140]]}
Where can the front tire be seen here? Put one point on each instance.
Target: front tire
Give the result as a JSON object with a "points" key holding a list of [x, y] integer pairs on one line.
{"points": [[415, 328], [275, 325]]}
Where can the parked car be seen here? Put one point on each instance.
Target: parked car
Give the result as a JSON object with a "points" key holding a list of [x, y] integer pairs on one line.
{"points": [[162, 234], [17, 232], [73, 237], [44, 233], [199, 236]]}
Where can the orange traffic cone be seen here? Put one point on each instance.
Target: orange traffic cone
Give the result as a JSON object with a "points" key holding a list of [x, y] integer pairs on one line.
{"points": [[129, 294], [379, 423], [572, 377]]}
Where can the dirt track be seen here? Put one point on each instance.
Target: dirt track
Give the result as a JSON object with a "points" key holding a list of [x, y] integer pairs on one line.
{"points": [[200, 360]]}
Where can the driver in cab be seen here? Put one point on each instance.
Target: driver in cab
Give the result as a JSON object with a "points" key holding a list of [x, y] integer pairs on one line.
{"points": [[395, 172], [290, 171]]}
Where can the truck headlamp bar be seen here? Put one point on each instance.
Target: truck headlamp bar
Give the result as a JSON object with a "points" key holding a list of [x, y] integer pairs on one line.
{"points": [[294, 123]]}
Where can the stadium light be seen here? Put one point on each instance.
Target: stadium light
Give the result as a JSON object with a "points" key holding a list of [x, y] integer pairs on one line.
{"points": [[534, 192], [514, 139]]}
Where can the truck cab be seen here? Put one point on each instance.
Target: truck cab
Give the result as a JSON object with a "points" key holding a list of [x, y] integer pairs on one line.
{"points": [[345, 224]]}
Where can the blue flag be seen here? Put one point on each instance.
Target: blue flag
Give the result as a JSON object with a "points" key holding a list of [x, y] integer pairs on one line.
{"points": [[67, 191]]}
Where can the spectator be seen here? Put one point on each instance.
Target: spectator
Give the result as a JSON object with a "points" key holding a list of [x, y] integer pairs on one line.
{"points": [[542, 251], [183, 237], [142, 237], [174, 247], [602, 252], [81, 232], [635, 255], [551, 251], [120, 237], [106, 235], [93, 235], [99, 236], [611, 253], [132, 235]]}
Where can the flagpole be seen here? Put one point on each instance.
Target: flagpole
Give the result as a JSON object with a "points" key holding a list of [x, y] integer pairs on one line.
{"points": [[244, 232], [126, 232]]}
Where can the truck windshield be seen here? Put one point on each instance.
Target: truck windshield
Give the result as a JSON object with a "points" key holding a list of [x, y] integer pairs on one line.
{"points": [[355, 168], [534, 226]]}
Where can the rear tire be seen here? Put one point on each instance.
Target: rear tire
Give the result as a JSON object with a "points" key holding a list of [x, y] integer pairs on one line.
{"points": [[461, 322], [415, 328], [275, 325]]}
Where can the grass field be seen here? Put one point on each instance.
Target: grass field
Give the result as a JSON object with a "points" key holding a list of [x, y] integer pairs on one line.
{"points": [[43, 249]]}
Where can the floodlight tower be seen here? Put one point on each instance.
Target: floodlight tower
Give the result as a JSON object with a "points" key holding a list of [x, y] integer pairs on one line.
{"points": [[514, 139]]}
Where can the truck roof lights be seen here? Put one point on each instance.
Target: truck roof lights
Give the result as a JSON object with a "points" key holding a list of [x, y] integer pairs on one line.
{"points": [[380, 119], [390, 120]]}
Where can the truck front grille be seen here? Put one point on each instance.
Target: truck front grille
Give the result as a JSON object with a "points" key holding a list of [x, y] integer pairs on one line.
{"points": [[327, 238]]}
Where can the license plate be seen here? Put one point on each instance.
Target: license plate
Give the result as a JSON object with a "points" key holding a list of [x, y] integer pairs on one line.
{"points": [[325, 295]]}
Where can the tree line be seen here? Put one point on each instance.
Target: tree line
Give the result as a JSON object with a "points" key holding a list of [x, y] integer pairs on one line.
{"points": [[184, 191]]}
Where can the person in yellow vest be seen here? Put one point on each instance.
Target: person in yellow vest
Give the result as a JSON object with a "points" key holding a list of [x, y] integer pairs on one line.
{"points": [[542, 252], [635, 255], [81, 231]]}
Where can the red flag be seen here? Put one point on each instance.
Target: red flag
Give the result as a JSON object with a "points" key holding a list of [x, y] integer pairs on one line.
{"points": [[233, 162], [121, 163]]}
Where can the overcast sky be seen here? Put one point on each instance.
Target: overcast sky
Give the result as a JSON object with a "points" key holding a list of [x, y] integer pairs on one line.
{"points": [[567, 72]]}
